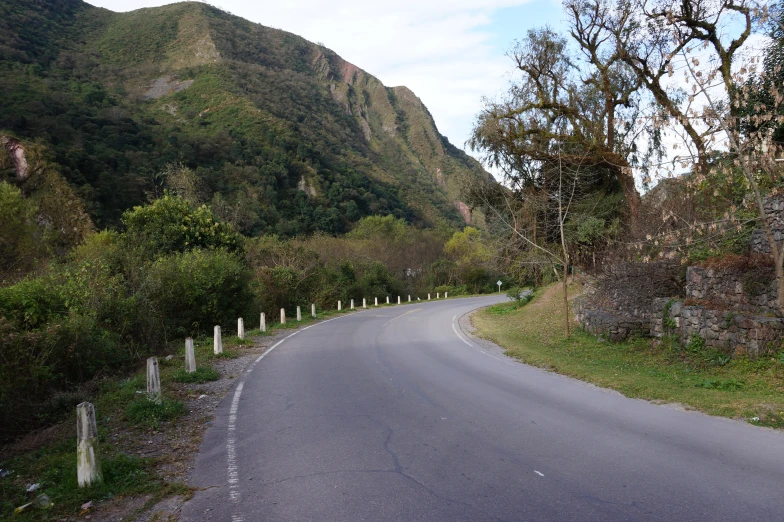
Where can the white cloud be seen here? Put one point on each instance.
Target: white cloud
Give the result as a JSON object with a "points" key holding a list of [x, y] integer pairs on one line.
{"points": [[440, 49]]}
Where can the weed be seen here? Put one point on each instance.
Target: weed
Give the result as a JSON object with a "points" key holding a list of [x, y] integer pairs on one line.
{"points": [[145, 412], [225, 354], [729, 319], [668, 322], [695, 345], [716, 358], [502, 309], [199, 376], [719, 384], [55, 470]]}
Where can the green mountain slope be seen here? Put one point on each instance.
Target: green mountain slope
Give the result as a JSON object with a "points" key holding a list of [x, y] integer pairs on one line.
{"points": [[283, 135]]}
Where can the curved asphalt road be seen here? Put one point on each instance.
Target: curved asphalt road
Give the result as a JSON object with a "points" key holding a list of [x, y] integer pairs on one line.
{"points": [[393, 414]]}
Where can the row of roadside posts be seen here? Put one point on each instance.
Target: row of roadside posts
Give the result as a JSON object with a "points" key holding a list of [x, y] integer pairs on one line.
{"points": [[87, 465]]}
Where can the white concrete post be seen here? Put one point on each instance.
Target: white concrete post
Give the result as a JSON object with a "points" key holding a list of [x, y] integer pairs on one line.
{"points": [[88, 469], [153, 380], [190, 356], [240, 328], [446, 295], [299, 314], [313, 310], [387, 299], [263, 322], [340, 306], [428, 297], [409, 298], [376, 301], [398, 299], [352, 304], [217, 340], [282, 316], [438, 295], [364, 302]]}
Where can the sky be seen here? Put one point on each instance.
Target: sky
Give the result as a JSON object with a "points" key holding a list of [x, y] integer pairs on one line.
{"points": [[451, 53]]}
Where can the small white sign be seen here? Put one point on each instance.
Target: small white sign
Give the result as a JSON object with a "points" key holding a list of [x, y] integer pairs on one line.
{"points": [[499, 285]]}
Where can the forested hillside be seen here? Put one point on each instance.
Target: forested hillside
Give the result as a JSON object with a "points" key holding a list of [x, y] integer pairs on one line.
{"points": [[281, 135], [167, 170]]}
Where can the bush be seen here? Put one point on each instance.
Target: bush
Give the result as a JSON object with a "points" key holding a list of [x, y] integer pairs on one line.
{"points": [[171, 224], [193, 291], [376, 281]]}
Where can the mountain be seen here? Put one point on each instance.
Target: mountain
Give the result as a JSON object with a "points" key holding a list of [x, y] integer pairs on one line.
{"points": [[282, 135]]}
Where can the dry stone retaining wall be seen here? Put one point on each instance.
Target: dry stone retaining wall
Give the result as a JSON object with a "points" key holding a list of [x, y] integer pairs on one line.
{"points": [[729, 332], [753, 290], [774, 207], [733, 309], [614, 327]]}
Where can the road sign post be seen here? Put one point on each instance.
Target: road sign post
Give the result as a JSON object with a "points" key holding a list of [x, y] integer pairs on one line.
{"points": [[499, 285]]}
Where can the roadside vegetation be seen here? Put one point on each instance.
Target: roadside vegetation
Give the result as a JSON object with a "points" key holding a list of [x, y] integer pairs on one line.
{"points": [[125, 416], [662, 372], [175, 270]]}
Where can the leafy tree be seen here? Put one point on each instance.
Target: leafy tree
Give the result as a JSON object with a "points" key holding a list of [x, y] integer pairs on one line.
{"points": [[378, 227], [468, 247], [20, 236], [555, 115], [171, 224]]}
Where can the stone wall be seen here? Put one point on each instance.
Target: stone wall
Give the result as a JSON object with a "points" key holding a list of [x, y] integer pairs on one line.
{"points": [[613, 327], [729, 332], [752, 289], [774, 207]]}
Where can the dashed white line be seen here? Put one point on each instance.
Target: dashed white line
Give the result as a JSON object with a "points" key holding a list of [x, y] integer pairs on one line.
{"points": [[539, 473], [231, 452]]}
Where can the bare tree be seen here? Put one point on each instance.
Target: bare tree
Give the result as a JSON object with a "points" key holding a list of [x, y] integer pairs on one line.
{"points": [[589, 107], [718, 110]]}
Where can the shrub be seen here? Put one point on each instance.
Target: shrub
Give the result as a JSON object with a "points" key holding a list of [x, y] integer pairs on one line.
{"points": [[171, 224], [192, 291]]}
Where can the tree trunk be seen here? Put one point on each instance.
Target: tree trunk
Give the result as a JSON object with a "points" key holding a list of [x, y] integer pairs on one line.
{"points": [[566, 298], [780, 281], [623, 172]]}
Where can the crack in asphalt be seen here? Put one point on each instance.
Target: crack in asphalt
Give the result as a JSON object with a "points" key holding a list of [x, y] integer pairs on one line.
{"points": [[399, 470]]}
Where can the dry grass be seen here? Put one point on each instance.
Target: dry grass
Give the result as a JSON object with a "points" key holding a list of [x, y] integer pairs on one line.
{"points": [[646, 369]]}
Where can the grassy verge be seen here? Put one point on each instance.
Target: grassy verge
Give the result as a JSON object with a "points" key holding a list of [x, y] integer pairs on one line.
{"points": [[657, 371], [52, 465]]}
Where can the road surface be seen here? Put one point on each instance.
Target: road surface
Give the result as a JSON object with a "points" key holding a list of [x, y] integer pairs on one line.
{"points": [[395, 414]]}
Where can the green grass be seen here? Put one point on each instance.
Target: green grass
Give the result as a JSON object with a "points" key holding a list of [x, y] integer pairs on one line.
{"points": [[225, 354], [663, 372], [146, 413], [54, 468], [201, 375]]}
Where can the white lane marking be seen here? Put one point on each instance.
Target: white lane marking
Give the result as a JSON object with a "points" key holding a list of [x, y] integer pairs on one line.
{"points": [[454, 327], [231, 439], [231, 452], [539, 473], [472, 345], [286, 338], [401, 315]]}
